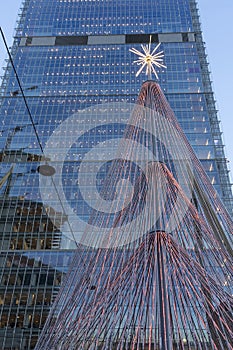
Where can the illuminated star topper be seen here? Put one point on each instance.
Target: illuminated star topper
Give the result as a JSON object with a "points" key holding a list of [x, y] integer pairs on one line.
{"points": [[149, 59]]}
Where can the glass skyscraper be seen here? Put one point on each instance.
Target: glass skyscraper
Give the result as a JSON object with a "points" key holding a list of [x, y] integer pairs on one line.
{"points": [[71, 55]]}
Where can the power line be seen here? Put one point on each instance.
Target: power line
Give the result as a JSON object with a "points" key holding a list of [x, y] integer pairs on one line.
{"points": [[34, 125], [21, 90]]}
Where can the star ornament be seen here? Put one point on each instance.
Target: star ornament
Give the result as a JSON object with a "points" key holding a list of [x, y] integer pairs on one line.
{"points": [[149, 59]]}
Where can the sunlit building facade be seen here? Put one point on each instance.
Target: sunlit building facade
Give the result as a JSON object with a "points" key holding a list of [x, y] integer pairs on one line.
{"points": [[71, 55]]}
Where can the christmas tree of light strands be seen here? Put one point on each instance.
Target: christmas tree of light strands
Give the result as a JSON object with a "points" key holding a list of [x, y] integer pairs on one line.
{"points": [[171, 286]]}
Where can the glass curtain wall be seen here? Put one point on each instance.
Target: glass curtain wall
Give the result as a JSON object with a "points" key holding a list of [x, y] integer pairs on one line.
{"points": [[71, 55]]}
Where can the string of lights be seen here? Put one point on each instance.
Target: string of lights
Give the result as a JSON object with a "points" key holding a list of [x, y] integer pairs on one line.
{"points": [[169, 287]]}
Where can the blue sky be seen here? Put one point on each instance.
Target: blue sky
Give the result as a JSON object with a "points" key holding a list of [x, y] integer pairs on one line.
{"points": [[216, 19]]}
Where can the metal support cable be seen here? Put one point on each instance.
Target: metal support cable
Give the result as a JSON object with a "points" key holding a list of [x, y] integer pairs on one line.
{"points": [[33, 124], [21, 90]]}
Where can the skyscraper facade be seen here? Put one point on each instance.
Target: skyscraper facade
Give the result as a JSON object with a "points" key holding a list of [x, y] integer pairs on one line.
{"points": [[69, 56]]}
